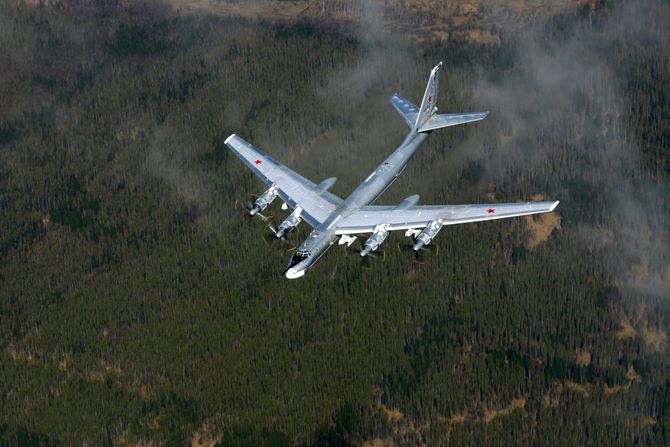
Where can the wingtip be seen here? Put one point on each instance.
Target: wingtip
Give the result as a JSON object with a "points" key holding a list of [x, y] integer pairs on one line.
{"points": [[553, 207], [229, 138]]}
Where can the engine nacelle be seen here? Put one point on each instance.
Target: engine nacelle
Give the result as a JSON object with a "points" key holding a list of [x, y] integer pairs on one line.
{"points": [[379, 235], [289, 223], [326, 184], [408, 202], [264, 200], [427, 235]]}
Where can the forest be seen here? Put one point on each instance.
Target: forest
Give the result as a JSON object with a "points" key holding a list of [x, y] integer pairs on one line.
{"points": [[139, 305]]}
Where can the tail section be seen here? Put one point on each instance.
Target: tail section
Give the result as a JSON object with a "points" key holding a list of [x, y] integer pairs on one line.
{"points": [[425, 118], [428, 104]]}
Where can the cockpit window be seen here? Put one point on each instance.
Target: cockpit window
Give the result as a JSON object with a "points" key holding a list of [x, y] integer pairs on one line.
{"points": [[299, 256]]}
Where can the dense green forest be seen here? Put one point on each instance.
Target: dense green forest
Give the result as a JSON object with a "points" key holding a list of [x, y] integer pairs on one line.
{"points": [[140, 306]]}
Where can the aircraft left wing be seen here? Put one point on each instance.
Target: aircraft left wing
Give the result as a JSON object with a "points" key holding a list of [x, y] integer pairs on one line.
{"points": [[415, 217], [294, 189]]}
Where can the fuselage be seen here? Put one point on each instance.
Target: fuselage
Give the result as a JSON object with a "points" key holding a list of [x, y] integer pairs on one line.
{"points": [[324, 236]]}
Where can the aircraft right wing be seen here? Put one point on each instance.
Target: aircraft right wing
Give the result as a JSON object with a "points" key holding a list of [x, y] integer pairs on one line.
{"points": [[415, 217]]}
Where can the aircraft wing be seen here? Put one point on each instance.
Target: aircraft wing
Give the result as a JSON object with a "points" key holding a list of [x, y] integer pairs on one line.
{"points": [[294, 189], [414, 217]]}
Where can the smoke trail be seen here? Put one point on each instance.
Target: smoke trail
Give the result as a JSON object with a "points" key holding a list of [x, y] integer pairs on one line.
{"points": [[564, 103]]}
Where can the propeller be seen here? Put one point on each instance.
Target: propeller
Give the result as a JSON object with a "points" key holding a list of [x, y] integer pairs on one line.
{"points": [[419, 255], [272, 236], [248, 207], [367, 256]]}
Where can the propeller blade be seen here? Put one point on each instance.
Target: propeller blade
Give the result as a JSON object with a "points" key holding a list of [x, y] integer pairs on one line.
{"points": [[241, 205], [419, 255], [273, 236], [246, 207], [407, 246], [366, 262], [365, 253], [285, 240], [359, 249]]}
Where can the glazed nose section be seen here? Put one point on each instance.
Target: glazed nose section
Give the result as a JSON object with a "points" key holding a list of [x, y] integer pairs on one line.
{"points": [[295, 269]]}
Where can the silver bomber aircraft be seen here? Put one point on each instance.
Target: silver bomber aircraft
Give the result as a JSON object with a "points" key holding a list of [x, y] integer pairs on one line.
{"points": [[331, 217]]}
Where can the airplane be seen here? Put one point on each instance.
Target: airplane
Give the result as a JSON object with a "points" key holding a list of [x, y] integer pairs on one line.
{"points": [[332, 217]]}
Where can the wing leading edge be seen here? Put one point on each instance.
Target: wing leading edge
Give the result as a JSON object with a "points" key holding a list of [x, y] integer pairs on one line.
{"points": [[294, 189], [415, 217]]}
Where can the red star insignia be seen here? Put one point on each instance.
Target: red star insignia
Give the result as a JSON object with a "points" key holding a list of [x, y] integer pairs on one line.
{"points": [[430, 98], [490, 211], [258, 162]]}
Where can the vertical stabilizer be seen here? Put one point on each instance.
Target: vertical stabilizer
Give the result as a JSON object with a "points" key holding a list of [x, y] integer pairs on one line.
{"points": [[429, 102]]}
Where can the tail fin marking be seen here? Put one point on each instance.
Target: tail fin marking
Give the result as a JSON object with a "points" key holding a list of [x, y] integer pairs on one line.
{"points": [[429, 102]]}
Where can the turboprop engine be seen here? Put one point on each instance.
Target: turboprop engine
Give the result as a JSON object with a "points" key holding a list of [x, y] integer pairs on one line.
{"points": [[379, 235], [263, 201], [427, 235], [289, 223]]}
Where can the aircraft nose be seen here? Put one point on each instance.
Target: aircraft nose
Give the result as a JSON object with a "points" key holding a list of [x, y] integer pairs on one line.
{"points": [[293, 273]]}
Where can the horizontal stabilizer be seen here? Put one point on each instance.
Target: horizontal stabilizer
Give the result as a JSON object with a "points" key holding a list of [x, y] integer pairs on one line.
{"points": [[450, 119], [405, 108]]}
